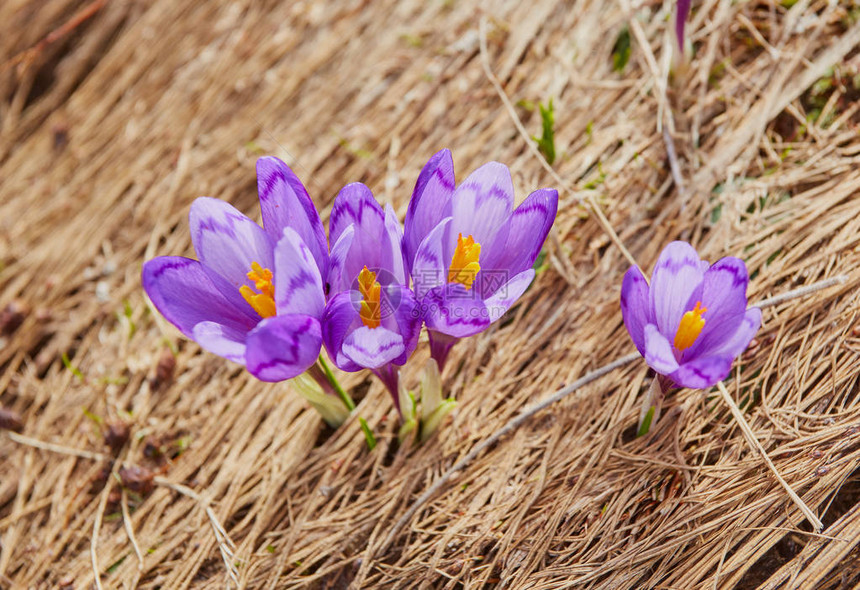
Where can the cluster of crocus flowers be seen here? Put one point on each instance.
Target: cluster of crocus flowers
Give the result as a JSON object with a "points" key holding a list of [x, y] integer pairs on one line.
{"points": [[692, 321], [271, 297]]}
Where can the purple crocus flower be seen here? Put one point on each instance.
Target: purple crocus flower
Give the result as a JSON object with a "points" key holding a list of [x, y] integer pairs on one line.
{"points": [[371, 320], [692, 321], [255, 296], [469, 252]]}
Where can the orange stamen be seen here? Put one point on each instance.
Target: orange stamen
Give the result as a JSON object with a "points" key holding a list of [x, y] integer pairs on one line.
{"points": [[370, 289], [264, 301], [464, 264], [690, 327]]}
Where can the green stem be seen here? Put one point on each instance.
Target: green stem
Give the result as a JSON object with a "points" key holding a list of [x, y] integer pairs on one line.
{"points": [[329, 375], [368, 434]]}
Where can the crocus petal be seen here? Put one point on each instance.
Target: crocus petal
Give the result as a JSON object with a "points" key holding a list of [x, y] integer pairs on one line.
{"points": [[658, 351], [505, 296], [185, 295], [222, 340], [340, 315], [481, 204], [528, 227], [634, 306], [355, 205], [284, 202], [406, 318], [703, 372], [430, 202], [724, 295], [682, 10], [282, 347], [745, 332], [394, 260], [677, 278], [227, 242], [430, 268], [372, 245], [372, 348], [298, 284], [455, 311], [337, 278]]}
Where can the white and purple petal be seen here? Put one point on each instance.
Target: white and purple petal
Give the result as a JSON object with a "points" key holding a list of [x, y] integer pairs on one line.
{"points": [[285, 202], [702, 372], [392, 249], [430, 202], [372, 348], [223, 340], [745, 332], [481, 204], [430, 268], [227, 242], [282, 347], [355, 205], [517, 247], [185, 295], [371, 245], [499, 302], [455, 311], [676, 282], [340, 317], [405, 319], [635, 307], [724, 295], [659, 353], [298, 284], [338, 280]]}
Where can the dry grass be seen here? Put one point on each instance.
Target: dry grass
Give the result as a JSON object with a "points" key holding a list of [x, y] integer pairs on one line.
{"points": [[123, 111]]}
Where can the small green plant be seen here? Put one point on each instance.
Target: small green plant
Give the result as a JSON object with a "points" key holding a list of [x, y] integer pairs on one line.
{"points": [[546, 142], [621, 50]]}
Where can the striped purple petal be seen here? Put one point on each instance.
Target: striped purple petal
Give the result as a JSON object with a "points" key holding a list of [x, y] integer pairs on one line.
{"points": [[298, 284], [405, 319], [225, 341], [185, 295], [481, 204], [634, 306], [455, 311], [505, 296], [746, 331], [677, 281], [430, 202], [431, 268], [285, 202], [339, 318], [682, 10], [227, 242], [282, 347], [355, 205], [393, 260], [703, 372], [516, 248], [372, 348], [659, 353], [371, 245], [338, 280]]}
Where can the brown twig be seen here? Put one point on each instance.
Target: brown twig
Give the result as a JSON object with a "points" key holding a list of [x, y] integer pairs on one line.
{"points": [[28, 55]]}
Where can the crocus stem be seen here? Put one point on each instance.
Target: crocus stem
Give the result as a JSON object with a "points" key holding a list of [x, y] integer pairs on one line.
{"points": [[649, 413], [440, 346], [331, 382], [390, 376]]}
